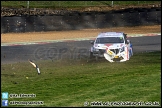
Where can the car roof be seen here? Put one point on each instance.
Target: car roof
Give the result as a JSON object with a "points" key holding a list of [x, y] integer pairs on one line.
{"points": [[110, 34]]}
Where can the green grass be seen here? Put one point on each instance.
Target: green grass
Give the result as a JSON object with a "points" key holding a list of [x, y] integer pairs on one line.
{"points": [[70, 4], [71, 83]]}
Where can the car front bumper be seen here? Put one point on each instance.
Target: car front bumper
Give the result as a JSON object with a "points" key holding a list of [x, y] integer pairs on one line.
{"points": [[99, 53]]}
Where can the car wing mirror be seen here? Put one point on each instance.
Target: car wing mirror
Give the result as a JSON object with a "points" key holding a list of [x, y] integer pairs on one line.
{"points": [[92, 42]]}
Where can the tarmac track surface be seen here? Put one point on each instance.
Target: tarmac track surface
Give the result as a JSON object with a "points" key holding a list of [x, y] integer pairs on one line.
{"points": [[72, 50]]}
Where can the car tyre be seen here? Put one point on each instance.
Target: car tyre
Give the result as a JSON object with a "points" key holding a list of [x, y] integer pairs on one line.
{"points": [[96, 58], [91, 55]]}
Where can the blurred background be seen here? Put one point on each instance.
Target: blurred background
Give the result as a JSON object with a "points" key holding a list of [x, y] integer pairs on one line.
{"points": [[74, 4], [36, 16]]}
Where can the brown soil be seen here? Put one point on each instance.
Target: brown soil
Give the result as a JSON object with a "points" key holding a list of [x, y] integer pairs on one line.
{"points": [[55, 35]]}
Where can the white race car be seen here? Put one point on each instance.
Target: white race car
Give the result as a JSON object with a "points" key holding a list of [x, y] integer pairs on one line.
{"points": [[114, 46]]}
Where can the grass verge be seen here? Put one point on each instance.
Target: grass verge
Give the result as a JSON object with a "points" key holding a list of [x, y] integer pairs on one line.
{"points": [[72, 83], [71, 4]]}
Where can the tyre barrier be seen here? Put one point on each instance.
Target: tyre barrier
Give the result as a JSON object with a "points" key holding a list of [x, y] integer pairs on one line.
{"points": [[77, 20]]}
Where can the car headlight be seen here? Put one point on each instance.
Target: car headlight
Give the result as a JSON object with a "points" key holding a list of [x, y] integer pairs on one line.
{"points": [[122, 49], [109, 52], [95, 49]]}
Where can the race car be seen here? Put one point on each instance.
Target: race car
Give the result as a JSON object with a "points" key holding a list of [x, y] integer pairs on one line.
{"points": [[113, 46]]}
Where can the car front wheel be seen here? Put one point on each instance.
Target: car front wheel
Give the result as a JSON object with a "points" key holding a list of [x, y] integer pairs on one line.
{"points": [[91, 55]]}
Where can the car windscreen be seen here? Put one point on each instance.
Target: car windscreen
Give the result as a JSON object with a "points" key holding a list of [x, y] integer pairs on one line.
{"points": [[110, 40]]}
